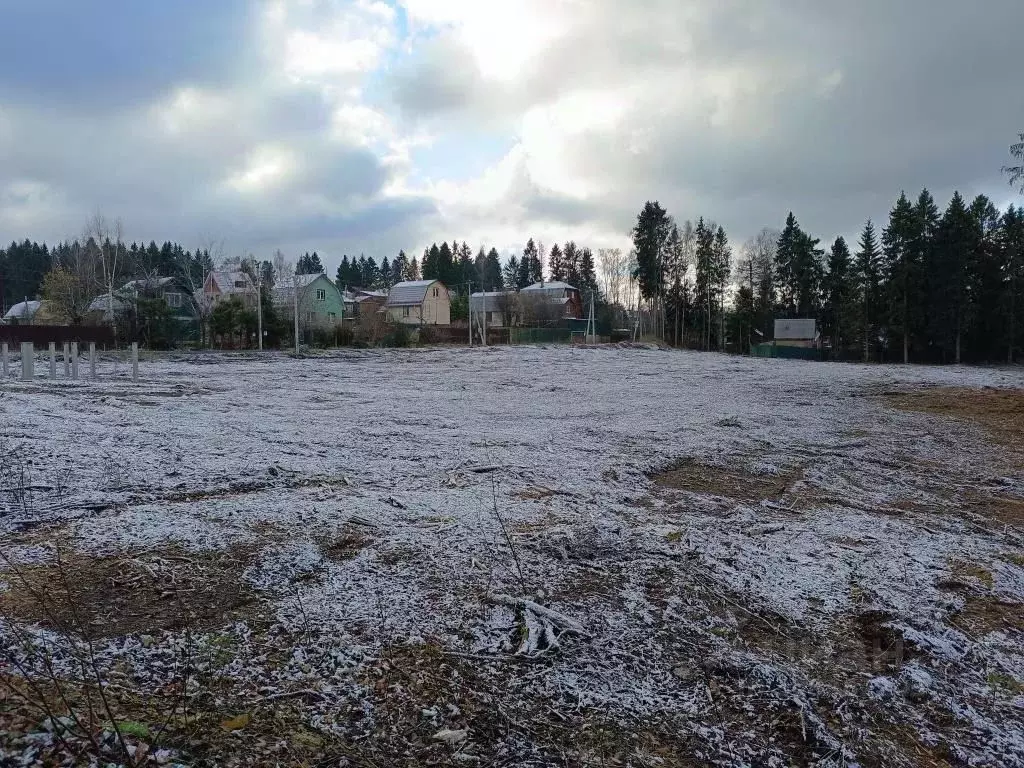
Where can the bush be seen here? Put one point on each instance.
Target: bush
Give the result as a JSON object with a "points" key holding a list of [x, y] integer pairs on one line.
{"points": [[397, 336], [429, 335]]}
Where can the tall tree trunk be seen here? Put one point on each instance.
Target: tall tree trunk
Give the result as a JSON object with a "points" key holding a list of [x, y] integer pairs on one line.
{"points": [[958, 338], [906, 327], [1013, 319], [867, 333]]}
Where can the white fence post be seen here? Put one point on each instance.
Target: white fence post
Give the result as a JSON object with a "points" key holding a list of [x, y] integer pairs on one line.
{"points": [[92, 359], [74, 360], [3, 355], [53, 360], [27, 362], [135, 361], [67, 359]]}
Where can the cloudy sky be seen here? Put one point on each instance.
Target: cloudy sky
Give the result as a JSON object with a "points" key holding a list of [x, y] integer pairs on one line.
{"points": [[373, 125]]}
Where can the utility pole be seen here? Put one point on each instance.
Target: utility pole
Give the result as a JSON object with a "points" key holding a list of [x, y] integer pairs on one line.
{"points": [[469, 314], [295, 283], [483, 319], [259, 308]]}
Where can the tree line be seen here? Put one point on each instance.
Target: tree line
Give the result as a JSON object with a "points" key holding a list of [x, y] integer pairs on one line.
{"points": [[936, 286]]}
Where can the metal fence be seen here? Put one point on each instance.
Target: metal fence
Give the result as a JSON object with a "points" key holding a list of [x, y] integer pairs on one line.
{"points": [[770, 349]]}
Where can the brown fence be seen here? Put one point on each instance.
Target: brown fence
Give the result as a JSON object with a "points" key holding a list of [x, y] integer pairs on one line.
{"points": [[454, 334], [41, 335]]}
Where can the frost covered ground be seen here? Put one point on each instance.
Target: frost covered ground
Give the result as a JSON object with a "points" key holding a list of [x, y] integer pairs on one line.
{"points": [[511, 556]]}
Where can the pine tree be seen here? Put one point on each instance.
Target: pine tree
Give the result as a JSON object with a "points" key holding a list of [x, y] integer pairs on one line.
{"points": [[900, 269], [1016, 172], [399, 268], [704, 268], [556, 265], [866, 281], [510, 273], [467, 269], [588, 272], [571, 264], [987, 284], [798, 270], [722, 269], [838, 296], [536, 271], [653, 225], [445, 266], [1012, 242], [386, 279], [342, 280], [492, 277], [414, 270]]}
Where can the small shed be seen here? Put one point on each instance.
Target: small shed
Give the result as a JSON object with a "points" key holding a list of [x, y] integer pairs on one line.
{"points": [[22, 313], [796, 333]]}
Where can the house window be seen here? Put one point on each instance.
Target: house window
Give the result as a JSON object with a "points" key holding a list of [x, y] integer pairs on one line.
{"points": [[332, 315], [490, 317], [310, 317], [436, 293], [173, 300], [321, 294], [405, 311], [239, 283]]}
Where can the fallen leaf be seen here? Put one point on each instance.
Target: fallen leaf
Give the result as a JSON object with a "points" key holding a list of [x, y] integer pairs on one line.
{"points": [[236, 723], [451, 737]]}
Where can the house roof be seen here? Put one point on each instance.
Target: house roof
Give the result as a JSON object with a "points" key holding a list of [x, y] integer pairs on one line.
{"points": [[490, 301], [148, 283], [107, 303], [285, 292], [226, 282], [410, 293], [555, 285], [304, 281], [23, 309]]}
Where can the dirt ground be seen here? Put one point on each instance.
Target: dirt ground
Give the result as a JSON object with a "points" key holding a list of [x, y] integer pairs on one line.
{"points": [[517, 557]]}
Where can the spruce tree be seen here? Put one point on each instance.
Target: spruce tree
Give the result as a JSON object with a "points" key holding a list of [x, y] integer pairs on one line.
{"points": [[400, 268], [526, 269], [556, 265], [1012, 242], [342, 280], [492, 271], [510, 273], [571, 264], [838, 294], [947, 279], [901, 270], [588, 272], [722, 269], [446, 265], [867, 285], [704, 269]]}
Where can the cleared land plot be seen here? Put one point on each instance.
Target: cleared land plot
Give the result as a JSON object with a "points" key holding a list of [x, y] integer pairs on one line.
{"points": [[518, 556]]}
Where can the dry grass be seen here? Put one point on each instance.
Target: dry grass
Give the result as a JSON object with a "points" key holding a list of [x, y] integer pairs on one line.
{"points": [[739, 484], [999, 411], [121, 595]]}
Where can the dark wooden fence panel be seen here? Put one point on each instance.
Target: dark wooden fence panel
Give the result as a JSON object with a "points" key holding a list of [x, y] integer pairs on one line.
{"points": [[41, 335]]}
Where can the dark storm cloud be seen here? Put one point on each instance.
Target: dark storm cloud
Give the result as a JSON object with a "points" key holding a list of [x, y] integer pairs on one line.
{"points": [[110, 53]]}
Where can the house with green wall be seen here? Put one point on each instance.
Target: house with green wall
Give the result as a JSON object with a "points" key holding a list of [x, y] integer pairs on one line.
{"points": [[320, 302]]}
